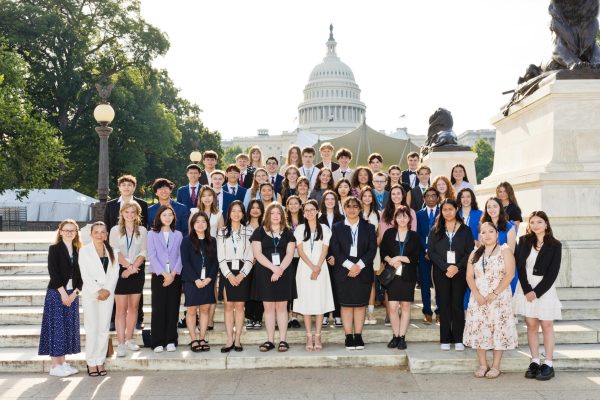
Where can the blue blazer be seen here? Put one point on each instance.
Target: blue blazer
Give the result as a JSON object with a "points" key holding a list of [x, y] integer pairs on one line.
{"points": [[474, 219], [278, 182], [228, 198], [423, 227], [182, 215], [183, 196], [240, 193]]}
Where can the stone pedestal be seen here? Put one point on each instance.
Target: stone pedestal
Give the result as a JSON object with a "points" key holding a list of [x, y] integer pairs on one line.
{"points": [[441, 163], [548, 148]]}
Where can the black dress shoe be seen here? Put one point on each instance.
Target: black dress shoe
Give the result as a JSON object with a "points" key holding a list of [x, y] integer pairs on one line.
{"points": [[402, 343], [349, 343], [227, 349], [139, 326], [546, 373], [532, 371], [393, 343], [112, 326], [295, 323], [358, 342], [181, 323], [238, 348]]}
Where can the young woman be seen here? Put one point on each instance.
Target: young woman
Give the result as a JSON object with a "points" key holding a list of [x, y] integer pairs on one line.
{"points": [[444, 188], [295, 218], [353, 245], [370, 214], [293, 158], [458, 178], [267, 194], [394, 177], [449, 245], [60, 323], [343, 190], [400, 249], [235, 263], [254, 309], [273, 246], [260, 176], [324, 182], [490, 322], [506, 194], [302, 189], [538, 259], [289, 183], [471, 216], [256, 158], [99, 268], [312, 276], [208, 204], [164, 243], [361, 178], [131, 240], [397, 200]]}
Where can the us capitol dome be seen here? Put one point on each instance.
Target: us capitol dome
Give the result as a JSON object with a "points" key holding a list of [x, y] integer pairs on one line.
{"points": [[331, 105]]}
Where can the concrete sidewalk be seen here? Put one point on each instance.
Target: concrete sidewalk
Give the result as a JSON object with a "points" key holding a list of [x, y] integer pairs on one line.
{"points": [[316, 383]]}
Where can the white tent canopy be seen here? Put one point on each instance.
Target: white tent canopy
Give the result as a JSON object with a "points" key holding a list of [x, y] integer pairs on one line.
{"points": [[51, 204]]}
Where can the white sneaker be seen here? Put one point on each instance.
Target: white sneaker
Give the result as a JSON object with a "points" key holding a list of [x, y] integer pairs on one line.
{"points": [[338, 322], [445, 346], [131, 345], [459, 346], [121, 350], [159, 349], [325, 321], [59, 371], [171, 347], [72, 370]]}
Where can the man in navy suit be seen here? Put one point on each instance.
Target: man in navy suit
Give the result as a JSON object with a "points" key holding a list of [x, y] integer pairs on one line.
{"points": [[417, 201], [162, 188], [188, 194], [379, 193], [425, 221], [409, 176], [246, 175], [274, 178], [224, 199], [232, 186]]}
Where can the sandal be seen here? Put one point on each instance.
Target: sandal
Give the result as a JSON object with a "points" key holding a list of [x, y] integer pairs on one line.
{"points": [[283, 346], [318, 346], [309, 342], [266, 346], [204, 346], [195, 347], [481, 371], [92, 373], [101, 372], [492, 373]]}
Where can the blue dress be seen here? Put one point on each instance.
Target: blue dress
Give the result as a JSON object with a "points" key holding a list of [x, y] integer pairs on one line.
{"points": [[60, 326]]}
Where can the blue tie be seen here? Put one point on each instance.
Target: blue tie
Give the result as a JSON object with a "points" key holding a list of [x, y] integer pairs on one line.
{"points": [[431, 218], [233, 191]]}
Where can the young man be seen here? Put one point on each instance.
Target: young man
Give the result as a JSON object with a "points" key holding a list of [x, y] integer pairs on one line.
{"points": [[224, 199], [381, 195], [232, 186], [326, 151], [162, 188], [308, 168], [275, 178], [415, 197], [188, 194], [425, 221], [409, 176], [126, 185], [343, 157], [376, 162], [209, 159], [246, 175]]}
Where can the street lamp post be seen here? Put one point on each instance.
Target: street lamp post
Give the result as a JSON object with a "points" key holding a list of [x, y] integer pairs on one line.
{"points": [[103, 114]]}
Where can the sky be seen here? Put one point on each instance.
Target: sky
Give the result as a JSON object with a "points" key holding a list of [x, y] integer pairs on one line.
{"points": [[245, 63]]}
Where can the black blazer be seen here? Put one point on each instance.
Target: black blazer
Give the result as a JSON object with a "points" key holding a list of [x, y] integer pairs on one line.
{"points": [[334, 166], [60, 268], [417, 201], [341, 242], [203, 178], [547, 264], [406, 178], [111, 212], [391, 248], [336, 218], [191, 262], [248, 178], [462, 244]]}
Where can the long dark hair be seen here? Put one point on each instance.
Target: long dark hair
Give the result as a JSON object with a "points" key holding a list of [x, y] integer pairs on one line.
{"points": [[336, 208], [479, 252], [502, 215], [355, 183], [440, 224], [388, 184], [307, 232], [373, 206], [157, 224], [111, 253], [509, 191], [195, 240], [387, 215], [227, 228], [337, 187], [530, 237], [289, 214], [474, 205], [452, 180], [331, 182], [262, 210]]}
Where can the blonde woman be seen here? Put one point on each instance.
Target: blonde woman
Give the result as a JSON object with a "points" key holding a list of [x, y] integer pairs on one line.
{"points": [[256, 158], [260, 176]]}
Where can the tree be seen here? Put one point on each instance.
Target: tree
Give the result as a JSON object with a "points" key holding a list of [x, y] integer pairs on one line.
{"points": [[230, 153], [485, 159]]}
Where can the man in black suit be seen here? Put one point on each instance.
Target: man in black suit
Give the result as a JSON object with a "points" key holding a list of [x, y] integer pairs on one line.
{"points": [[326, 150], [188, 194], [409, 176], [209, 159], [233, 186], [274, 177], [415, 196], [246, 175]]}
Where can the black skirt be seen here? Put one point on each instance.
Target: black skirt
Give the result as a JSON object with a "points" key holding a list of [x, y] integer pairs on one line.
{"points": [[132, 285], [401, 290], [234, 293], [353, 292]]}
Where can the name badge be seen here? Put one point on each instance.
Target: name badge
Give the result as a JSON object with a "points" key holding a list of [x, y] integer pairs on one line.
{"points": [[203, 274], [235, 265], [450, 257], [399, 270], [275, 259], [70, 284], [426, 240], [353, 251], [168, 266]]}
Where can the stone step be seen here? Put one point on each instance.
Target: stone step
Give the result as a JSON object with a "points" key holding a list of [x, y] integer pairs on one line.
{"points": [[24, 246], [23, 256], [23, 268]]}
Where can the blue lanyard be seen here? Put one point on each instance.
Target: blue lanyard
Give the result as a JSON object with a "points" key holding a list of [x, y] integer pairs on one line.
{"points": [[275, 240], [129, 242], [402, 245], [234, 244], [354, 233], [451, 237]]}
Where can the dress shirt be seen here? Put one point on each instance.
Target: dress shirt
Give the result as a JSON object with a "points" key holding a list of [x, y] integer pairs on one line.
{"points": [[311, 173]]}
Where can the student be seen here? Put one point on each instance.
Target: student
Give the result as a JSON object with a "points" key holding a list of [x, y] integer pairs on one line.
{"points": [[302, 189], [490, 323], [209, 159], [99, 272], [326, 151], [256, 157], [295, 218], [343, 189], [371, 215], [254, 309], [375, 161], [224, 199], [343, 157], [308, 168], [260, 177], [273, 247], [164, 254], [188, 194], [199, 268], [538, 259], [506, 194], [400, 249], [409, 176], [233, 187], [267, 196], [235, 263], [162, 189], [395, 201], [449, 245], [208, 204], [130, 238], [312, 276], [444, 188], [59, 335], [126, 185], [471, 215], [394, 177], [381, 194], [275, 179], [361, 178], [290, 180], [415, 197], [246, 175], [324, 182], [293, 158], [353, 245], [458, 178]]}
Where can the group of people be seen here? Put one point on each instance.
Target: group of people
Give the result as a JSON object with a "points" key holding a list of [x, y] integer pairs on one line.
{"points": [[322, 241]]}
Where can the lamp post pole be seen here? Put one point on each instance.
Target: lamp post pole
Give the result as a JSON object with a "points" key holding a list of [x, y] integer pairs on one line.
{"points": [[103, 132]]}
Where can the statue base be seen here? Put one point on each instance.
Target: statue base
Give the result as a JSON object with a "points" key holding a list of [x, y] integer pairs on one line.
{"points": [[441, 163], [548, 148]]}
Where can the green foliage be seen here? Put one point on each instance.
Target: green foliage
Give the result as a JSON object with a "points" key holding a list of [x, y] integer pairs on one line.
{"points": [[230, 153], [485, 159]]}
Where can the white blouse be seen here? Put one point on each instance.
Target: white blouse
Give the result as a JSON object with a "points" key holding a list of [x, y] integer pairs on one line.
{"points": [[237, 249], [130, 247]]}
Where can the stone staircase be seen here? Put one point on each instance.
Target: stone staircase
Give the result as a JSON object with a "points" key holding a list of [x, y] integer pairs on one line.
{"points": [[23, 281]]}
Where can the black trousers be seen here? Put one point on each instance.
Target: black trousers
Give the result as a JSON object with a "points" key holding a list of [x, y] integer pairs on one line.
{"points": [[254, 310], [165, 310], [336, 301], [451, 295]]}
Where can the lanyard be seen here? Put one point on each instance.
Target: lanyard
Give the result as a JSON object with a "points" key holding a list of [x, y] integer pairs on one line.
{"points": [[483, 262], [402, 245], [451, 236], [312, 241], [312, 171], [275, 240], [467, 218], [234, 243], [129, 242], [354, 233]]}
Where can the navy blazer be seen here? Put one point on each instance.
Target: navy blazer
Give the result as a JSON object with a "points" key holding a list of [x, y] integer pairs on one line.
{"points": [[182, 214], [278, 182], [248, 178], [341, 242], [228, 198], [406, 177], [192, 262], [184, 197], [240, 192], [423, 227]]}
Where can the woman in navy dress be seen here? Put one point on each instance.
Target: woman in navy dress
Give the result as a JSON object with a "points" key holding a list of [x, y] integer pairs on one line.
{"points": [[198, 273]]}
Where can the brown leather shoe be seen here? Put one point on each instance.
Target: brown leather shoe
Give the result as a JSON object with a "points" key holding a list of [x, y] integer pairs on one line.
{"points": [[427, 320]]}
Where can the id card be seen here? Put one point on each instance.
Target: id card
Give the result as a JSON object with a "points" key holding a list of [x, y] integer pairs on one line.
{"points": [[70, 284], [399, 270], [275, 259], [203, 274], [450, 257], [168, 267], [235, 265], [353, 251]]}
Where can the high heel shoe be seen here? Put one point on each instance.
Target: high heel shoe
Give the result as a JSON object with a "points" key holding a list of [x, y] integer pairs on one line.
{"points": [[309, 342], [101, 372], [318, 346], [92, 373]]}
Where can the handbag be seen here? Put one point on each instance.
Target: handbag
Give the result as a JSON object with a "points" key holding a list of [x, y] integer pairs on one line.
{"points": [[387, 275]]}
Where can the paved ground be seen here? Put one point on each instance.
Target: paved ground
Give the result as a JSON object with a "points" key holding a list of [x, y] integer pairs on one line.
{"points": [[373, 383]]}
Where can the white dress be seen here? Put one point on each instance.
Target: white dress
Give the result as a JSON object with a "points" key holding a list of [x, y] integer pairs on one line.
{"points": [[545, 308], [314, 297]]}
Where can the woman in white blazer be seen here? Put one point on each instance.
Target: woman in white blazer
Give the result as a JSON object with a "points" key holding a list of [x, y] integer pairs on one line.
{"points": [[99, 271]]}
